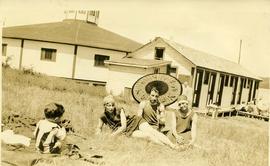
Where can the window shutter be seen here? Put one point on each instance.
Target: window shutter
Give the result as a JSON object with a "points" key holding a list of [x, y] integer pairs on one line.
{"points": [[54, 55]]}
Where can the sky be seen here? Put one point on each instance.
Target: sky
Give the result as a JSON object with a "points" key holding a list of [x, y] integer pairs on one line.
{"points": [[212, 26]]}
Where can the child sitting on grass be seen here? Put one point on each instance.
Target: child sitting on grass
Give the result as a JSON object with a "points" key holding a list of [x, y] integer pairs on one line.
{"points": [[48, 132]]}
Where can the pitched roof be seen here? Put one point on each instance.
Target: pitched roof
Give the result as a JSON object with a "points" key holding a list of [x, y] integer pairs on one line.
{"points": [[144, 63], [206, 60], [74, 32]]}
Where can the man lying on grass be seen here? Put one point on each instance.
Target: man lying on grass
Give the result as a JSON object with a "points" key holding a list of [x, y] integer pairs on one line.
{"points": [[181, 124], [48, 133], [135, 126]]}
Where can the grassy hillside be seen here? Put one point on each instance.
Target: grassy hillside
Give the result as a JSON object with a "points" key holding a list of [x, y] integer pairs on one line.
{"points": [[226, 141]]}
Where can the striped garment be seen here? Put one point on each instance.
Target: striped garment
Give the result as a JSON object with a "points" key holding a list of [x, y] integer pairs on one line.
{"points": [[48, 136]]}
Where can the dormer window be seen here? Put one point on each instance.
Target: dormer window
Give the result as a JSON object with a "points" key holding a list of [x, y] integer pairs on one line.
{"points": [[159, 53]]}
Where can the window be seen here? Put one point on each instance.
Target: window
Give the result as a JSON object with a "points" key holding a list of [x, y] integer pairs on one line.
{"points": [[245, 82], [159, 53], [173, 70], [231, 81], [156, 70], [48, 54], [227, 80], [4, 49], [192, 70], [257, 84], [248, 83], [206, 77], [99, 60]]}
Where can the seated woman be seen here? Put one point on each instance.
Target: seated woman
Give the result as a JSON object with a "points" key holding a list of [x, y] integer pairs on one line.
{"points": [[181, 124], [134, 126]]}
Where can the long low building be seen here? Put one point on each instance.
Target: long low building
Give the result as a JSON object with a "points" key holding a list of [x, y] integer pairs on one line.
{"points": [[213, 79]]}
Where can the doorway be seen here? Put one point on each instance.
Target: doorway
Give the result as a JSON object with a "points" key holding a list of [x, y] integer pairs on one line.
{"points": [[197, 88], [211, 88], [234, 82], [250, 89], [240, 90], [220, 89]]}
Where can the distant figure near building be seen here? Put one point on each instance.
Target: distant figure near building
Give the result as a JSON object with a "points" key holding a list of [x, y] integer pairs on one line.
{"points": [[262, 107], [187, 91]]}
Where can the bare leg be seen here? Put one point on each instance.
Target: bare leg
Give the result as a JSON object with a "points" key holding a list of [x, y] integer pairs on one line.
{"points": [[155, 135], [141, 134]]}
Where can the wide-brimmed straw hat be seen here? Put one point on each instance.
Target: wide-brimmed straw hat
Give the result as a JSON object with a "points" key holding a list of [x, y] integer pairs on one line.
{"points": [[169, 88]]}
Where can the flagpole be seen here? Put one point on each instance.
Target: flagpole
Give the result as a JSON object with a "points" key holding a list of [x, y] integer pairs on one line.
{"points": [[239, 57]]}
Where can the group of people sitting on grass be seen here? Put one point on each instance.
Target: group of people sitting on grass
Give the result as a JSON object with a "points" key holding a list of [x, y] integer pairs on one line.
{"points": [[171, 127]]}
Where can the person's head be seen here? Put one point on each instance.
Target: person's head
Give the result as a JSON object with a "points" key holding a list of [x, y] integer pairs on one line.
{"points": [[54, 111], [183, 103], [154, 94], [109, 103]]}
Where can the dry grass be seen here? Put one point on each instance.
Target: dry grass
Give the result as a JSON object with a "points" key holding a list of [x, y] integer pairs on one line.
{"points": [[228, 141]]}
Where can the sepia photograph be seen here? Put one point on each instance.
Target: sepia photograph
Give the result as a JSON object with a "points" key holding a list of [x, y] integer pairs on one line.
{"points": [[135, 83]]}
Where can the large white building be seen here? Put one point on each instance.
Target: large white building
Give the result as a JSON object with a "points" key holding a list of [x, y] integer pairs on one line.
{"points": [[72, 48]]}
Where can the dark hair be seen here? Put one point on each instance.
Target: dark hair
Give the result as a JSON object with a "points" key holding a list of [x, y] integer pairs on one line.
{"points": [[53, 110], [154, 89]]}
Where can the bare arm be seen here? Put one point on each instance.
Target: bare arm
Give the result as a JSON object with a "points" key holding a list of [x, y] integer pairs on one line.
{"points": [[173, 124], [162, 114], [178, 138], [123, 124], [141, 107], [194, 128], [99, 126], [36, 129]]}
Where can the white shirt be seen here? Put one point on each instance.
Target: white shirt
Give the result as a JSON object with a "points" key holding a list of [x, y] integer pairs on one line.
{"points": [[47, 134]]}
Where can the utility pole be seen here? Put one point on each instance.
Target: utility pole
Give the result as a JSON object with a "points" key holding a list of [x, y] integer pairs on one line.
{"points": [[240, 52]]}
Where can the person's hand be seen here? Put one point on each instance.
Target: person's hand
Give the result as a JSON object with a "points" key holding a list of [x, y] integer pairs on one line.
{"points": [[179, 139], [58, 144]]}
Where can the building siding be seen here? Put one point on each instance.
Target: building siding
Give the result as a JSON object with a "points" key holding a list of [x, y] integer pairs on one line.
{"points": [[121, 77], [62, 67], [85, 61], [13, 52], [148, 52]]}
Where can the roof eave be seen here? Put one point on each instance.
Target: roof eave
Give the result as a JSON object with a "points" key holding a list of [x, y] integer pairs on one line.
{"points": [[58, 42], [135, 65], [256, 78]]}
